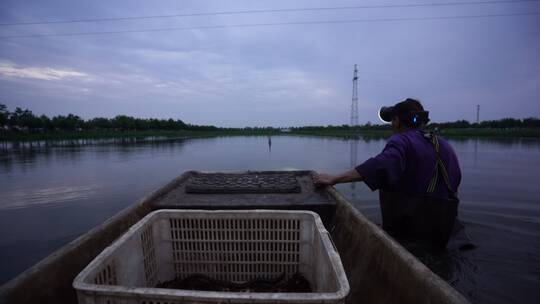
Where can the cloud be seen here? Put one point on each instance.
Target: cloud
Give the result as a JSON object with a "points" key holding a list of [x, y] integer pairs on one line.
{"points": [[280, 75], [10, 70]]}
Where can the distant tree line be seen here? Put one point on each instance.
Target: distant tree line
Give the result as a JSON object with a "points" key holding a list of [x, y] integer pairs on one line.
{"points": [[505, 123], [341, 128], [24, 119]]}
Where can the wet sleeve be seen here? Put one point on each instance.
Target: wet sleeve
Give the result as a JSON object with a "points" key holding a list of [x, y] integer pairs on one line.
{"points": [[385, 169]]}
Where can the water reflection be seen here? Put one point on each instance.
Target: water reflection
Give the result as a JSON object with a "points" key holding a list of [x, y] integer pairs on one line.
{"points": [[354, 162], [475, 151], [25, 154], [24, 198], [89, 142], [64, 188], [499, 141]]}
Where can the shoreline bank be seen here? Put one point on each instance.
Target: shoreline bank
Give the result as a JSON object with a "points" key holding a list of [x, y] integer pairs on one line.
{"points": [[73, 135]]}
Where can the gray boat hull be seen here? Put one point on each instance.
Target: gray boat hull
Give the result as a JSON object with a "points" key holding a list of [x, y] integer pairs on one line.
{"points": [[378, 268]]}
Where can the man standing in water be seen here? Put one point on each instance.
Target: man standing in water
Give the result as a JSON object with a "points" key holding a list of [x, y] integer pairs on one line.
{"points": [[417, 175]]}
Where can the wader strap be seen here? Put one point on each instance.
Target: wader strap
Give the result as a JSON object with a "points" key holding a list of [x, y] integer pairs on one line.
{"points": [[440, 166]]}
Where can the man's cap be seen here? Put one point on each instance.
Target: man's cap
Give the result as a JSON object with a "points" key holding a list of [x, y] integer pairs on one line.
{"points": [[400, 109]]}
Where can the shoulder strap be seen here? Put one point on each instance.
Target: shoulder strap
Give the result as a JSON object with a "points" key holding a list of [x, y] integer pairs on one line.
{"points": [[440, 167]]}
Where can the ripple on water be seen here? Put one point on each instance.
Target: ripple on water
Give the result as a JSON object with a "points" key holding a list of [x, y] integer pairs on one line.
{"points": [[24, 198]]}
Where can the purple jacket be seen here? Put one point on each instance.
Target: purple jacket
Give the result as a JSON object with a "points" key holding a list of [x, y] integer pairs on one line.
{"points": [[407, 164]]}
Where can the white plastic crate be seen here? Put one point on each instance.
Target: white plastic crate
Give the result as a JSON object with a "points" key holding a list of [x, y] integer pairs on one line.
{"points": [[234, 246]]}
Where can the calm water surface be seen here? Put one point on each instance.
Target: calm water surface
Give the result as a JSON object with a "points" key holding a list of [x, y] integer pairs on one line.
{"points": [[50, 193]]}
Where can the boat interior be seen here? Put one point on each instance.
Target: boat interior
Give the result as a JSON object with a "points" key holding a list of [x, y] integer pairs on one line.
{"points": [[378, 268]]}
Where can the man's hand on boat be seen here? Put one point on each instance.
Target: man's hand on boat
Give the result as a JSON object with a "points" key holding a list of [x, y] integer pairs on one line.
{"points": [[324, 179]]}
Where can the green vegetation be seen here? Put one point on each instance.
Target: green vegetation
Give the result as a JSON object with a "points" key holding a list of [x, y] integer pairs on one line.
{"points": [[22, 124], [491, 132], [103, 134], [508, 127], [462, 132], [505, 123], [366, 131]]}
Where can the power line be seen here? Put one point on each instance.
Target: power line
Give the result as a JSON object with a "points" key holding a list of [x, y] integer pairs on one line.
{"points": [[248, 25], [269, 11]]}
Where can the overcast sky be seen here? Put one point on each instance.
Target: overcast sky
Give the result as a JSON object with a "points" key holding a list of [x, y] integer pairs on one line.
{"points": [[285, 75]]}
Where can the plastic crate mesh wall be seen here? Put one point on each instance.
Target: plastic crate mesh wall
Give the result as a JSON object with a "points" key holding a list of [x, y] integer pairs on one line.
{"points": [[107, 275], [149, 256], [235, 250]]}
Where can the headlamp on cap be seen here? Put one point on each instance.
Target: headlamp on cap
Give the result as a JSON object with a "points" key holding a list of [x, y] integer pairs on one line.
{"points": [[386, 114]]}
